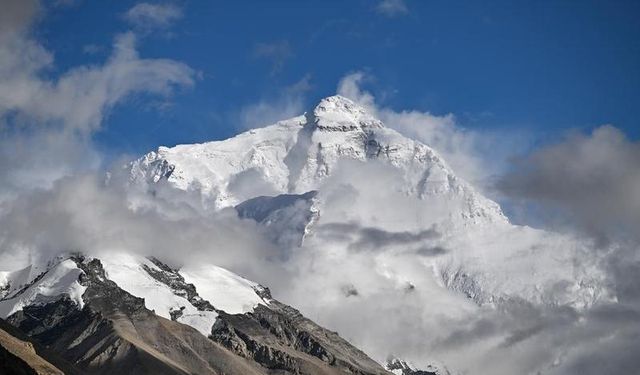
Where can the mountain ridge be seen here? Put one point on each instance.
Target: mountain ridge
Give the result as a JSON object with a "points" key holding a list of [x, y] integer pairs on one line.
{"points": [[111, 329], [294, 156]]}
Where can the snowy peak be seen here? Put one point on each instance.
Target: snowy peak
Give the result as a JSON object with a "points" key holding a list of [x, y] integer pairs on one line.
{"points": [[60, 280], [296, 156], [192, 295], [130, 314], [337, 113]]}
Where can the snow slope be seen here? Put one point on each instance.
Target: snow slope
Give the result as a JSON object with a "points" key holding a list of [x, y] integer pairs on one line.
{"points": [[127, 271], [295, 156], [288, 217], [60, 280], [224, 290], [218, 289]]}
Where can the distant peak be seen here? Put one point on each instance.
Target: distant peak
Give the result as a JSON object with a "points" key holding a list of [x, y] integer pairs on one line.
{"points": [[337, 113]]}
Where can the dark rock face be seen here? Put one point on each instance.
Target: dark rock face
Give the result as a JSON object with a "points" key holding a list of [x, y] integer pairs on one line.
{"points": [[4, 290], [280, 338], [115, 333], [12, 364], [20, 354], [180, 287], [159, 170], [277, 337]]}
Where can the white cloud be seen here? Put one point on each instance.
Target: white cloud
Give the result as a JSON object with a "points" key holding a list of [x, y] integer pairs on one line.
{"points": [[17, 15], [267, 111], [81, 97], [82, 212], [148, 16], [46, 120], [475, 156], [350, 87], [392, 8], [593, 179]]}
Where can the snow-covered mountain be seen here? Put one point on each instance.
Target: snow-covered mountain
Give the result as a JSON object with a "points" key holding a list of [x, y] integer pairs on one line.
{"points": [[284, 174], [295, 156], [361, 212], [137, 315]]}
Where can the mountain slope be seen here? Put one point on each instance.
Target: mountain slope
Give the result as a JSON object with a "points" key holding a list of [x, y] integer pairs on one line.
{"points": [[18, 355], [111, 330], [296, 155]]}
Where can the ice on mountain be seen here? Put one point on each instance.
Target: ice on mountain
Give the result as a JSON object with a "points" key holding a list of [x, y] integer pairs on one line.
{"points": [[224, 289], [61, 280], [128, 272]]}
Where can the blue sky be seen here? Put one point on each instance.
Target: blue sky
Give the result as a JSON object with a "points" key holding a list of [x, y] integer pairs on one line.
{"points": [[541, 66]]}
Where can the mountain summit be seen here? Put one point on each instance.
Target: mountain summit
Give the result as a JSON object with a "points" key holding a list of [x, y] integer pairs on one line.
{"points": [[337, 113], [297, 155]]}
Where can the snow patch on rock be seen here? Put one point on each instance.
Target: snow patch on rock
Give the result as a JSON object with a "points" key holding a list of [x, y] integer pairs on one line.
{"points": [[59, 281], [128, 272], [225, 290]]}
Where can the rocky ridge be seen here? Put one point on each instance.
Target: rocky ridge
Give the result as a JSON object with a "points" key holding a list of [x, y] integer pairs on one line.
{"points": [[114, 331]]}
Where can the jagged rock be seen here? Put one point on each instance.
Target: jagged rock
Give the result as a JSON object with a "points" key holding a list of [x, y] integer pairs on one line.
{"points": [[176, 282], [400, 367], [275, 336], [19, 355], [110, 331], [114, 332]]}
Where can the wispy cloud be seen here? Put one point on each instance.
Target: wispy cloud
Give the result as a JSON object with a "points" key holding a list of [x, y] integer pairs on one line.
{"points": [[149, 16], [476, 156], [17, 15], [289, 103], [47, 120], [277, 53], [392, 8], [81, 97], [92, 49]]}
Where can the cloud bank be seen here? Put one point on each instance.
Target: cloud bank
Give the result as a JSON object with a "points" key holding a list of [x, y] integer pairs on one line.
{"points": [[477, 156], [589, 184], [593, 178]]}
